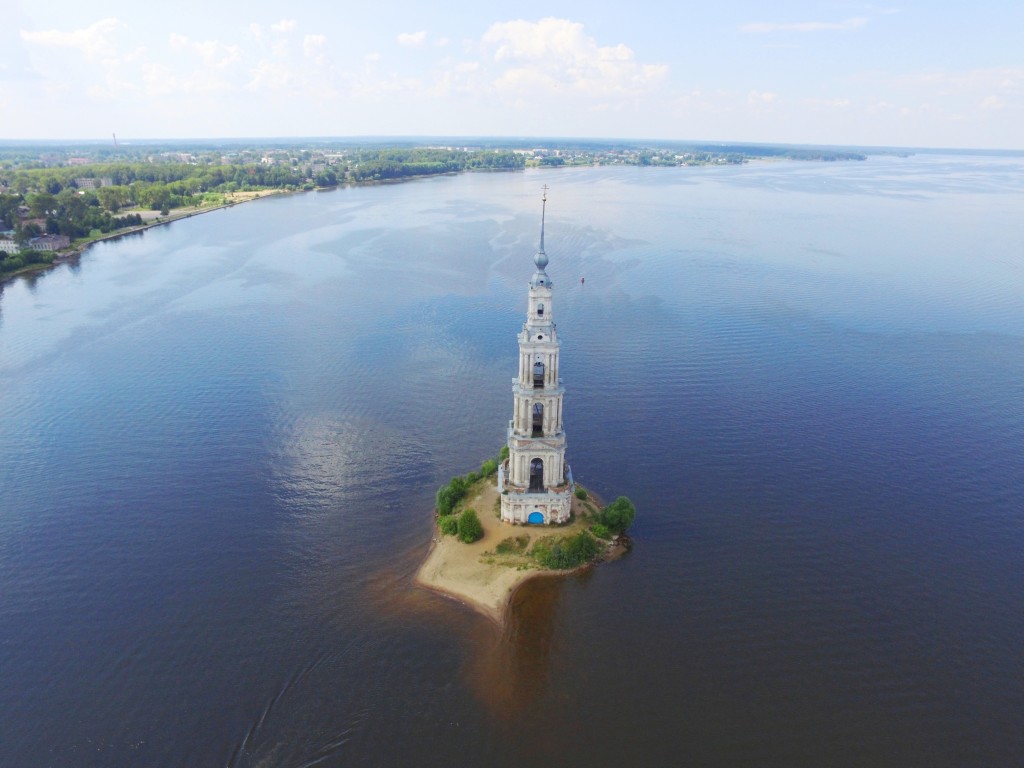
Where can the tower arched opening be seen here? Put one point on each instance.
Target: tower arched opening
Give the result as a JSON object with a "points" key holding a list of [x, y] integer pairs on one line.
{"points": [[537, 476], [538, 420]]}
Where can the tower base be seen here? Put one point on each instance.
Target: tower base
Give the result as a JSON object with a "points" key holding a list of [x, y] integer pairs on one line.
{"points": [[520, 506], [536, 508]]}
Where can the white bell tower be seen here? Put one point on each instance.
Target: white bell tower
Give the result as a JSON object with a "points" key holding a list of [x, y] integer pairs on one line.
{"points": [[535, 482]]}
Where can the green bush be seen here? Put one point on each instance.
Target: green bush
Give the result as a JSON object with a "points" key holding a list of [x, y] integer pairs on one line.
{"points": [[469, 527], [601, 531], [503, 453], [446, 500], [618, 515], [12, 263], [512, 546], [580, 493], [566, 552], [488, 468], [449, 525], [450, 495]]}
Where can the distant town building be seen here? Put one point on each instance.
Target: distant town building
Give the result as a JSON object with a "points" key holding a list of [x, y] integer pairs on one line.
{"points": [[49, 242], [9, 246], [106, 181]]}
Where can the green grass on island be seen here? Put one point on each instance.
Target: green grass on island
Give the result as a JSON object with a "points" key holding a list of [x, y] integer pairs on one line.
{"points": [[588, 536]]}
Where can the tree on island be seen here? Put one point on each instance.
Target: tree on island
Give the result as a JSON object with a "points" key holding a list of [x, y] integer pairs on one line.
{"points": [[470, 529], [618, 515]]}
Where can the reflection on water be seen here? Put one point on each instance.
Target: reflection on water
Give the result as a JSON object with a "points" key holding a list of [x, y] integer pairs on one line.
{"points": [[221, 440], [508, 669]]}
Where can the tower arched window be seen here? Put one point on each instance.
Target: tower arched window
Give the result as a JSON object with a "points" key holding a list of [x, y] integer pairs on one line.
{"points": [[538, 375], [537, 476], [540, 310]]}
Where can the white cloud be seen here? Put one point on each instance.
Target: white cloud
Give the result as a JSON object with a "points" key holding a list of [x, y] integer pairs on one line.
{"points": [[160, 80], [460, 78], [102, 69], [762, 97], [212, 53], [312, 44], [93, 42], [949, 96], [766, 27], [1007, 80], [284, 26], [412, 38], [828, 103], [196, 67], [270, 75], [556, 55]]}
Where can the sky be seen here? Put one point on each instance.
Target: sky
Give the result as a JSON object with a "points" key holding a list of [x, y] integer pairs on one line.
{"points": [[916, 74]]}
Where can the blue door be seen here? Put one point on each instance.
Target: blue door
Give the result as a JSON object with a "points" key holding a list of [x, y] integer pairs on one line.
{"points": [[535, 518]]}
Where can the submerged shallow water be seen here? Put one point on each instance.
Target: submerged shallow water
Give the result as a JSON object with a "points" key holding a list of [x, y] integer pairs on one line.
{"points": [[219, 443]]}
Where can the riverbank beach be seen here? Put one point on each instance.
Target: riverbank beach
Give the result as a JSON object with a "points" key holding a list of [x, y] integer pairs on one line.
{"points": [[482, 576]]}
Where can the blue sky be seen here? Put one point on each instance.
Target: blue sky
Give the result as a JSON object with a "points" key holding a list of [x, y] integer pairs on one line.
{"points": [[928, 74]]}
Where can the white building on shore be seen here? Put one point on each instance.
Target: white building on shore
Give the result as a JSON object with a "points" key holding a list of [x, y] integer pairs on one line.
{"points": [[535, 481], [49, 243]]}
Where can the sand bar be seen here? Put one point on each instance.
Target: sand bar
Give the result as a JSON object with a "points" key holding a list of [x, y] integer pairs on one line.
{"points": [[473, 574]]}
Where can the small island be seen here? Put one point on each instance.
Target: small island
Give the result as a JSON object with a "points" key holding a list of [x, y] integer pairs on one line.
{"points": [[501, 526], [484, 572]]}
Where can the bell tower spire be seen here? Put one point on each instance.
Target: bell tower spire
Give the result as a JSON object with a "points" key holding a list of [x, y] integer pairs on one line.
{"points": [[543, 211], [540, 277], [536, 482]]}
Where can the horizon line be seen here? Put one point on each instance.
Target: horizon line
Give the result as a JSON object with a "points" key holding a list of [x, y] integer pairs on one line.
{"points": [[491, 138]]}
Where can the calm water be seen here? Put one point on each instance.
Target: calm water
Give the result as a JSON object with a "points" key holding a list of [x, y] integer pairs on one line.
{"points": [[219, 443]]}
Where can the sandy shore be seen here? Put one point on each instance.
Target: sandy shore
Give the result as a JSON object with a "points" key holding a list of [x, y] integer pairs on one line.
{"points": [[474, 574]]}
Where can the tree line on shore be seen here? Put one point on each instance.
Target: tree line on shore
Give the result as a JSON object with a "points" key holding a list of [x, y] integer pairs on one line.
{"points": [[90, 200]]}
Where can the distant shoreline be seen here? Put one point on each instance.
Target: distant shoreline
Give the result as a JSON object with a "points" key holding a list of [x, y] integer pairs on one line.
{"points": [[75, 252]]}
